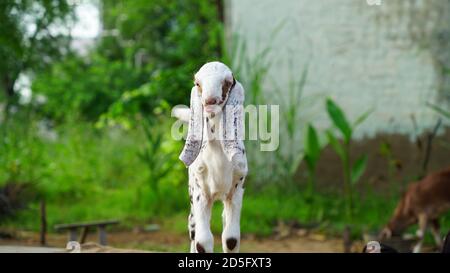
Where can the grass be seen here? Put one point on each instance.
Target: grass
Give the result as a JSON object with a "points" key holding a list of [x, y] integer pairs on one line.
{"points": [[86, 174], [90, 174], [261, 212]]}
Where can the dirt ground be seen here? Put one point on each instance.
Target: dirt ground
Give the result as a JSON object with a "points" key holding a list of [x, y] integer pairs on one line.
{"points": [[160, 241]]}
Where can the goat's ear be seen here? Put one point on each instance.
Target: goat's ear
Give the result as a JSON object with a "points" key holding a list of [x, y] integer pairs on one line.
{"points": [[233, 120], [195, 130]]}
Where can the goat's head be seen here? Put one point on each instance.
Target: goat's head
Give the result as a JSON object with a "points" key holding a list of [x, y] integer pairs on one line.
{"points": [[214, 82], [396, 226], [402, 218], [215, 89]]}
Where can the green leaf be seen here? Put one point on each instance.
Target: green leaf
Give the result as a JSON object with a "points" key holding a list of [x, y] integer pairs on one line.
{"points": [[363, 117], [439, 110], [312, 146], [295, 163], [335, 144], [358, 169], [310, 163], [339, 120]]}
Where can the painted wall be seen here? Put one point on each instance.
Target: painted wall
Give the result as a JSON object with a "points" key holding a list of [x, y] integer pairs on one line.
{"points": [[389, 57]]}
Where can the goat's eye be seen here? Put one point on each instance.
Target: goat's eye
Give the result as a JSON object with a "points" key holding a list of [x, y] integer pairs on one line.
{"points": [[199, 88]]}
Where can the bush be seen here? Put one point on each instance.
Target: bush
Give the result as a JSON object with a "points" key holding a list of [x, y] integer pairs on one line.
{"points": [[85, 173], [155, 45]]}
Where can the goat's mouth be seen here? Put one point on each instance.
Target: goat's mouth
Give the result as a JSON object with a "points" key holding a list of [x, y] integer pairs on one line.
{"points": [[212, 109]]}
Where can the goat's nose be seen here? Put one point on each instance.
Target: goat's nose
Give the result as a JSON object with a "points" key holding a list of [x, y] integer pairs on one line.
{"points": [[211, 101]]}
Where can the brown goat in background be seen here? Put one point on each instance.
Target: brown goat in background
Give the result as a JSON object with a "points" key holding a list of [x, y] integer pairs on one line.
{"points": [[423, 203]]}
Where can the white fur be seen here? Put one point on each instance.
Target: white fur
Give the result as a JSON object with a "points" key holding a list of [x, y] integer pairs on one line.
{"points": [[212, 176]]}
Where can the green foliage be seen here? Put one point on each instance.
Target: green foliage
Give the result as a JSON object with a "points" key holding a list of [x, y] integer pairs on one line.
{"points": [[334, 142], [446, 114], [147, 53], [312, 151], [160, 155], [358, 169], [385, 150], [339, 120], [252, 71], [86, 173], [21, 152], [99, 147], [85, 165], [29, 49], [312, 147], [352, 172], [439, 110], [180, 37], [86, 88]]}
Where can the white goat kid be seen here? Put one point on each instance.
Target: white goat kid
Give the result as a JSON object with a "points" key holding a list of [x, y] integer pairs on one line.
{"points": [[215, 154]]}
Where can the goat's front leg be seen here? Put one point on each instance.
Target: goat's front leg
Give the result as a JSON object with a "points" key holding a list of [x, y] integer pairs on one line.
{"points": [[231, 234], [204, 240]]}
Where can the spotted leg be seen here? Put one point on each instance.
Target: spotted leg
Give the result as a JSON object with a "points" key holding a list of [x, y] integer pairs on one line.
{"points": [[204, 241], [231, 234], [191, 221]]}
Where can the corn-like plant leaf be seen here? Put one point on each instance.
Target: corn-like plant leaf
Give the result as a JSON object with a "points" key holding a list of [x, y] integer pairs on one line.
{"points": [[295, 163], [337, 147], [363, 117], [310, 163], [358, 169], [339, 120], [311, 146]]}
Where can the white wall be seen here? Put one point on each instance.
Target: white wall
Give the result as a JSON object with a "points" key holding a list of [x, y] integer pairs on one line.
{"points": [[386, 57]]}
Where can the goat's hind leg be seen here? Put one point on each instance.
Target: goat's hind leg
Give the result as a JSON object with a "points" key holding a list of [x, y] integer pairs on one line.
{"points": [[423, 222], [191, 222], [435, 229], [191, 228]]}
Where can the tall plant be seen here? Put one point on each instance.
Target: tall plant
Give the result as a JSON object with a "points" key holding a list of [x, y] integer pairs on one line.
{"points": [[352, 171], [445, 114], [439, 110], [251, 68], [312, 151]]}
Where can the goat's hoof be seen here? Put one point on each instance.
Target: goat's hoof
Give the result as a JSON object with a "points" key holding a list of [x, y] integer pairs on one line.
{"points": [[231, 243], [200, 248]]}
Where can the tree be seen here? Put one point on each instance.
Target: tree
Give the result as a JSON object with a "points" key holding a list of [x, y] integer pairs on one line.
{"points": [[168, 40], [147, 53], [29, 40]]}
